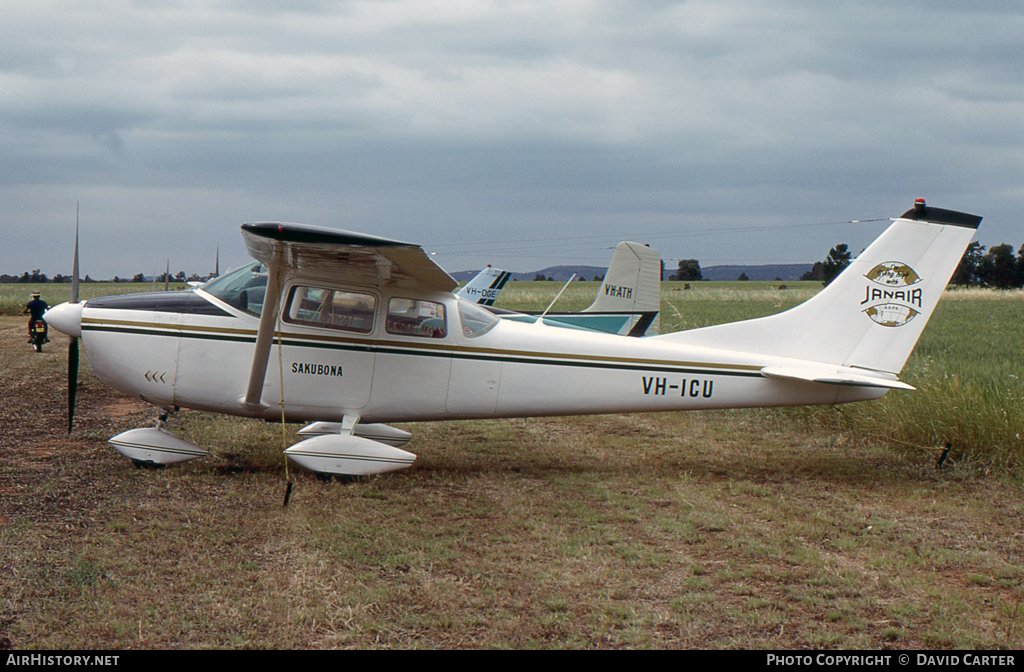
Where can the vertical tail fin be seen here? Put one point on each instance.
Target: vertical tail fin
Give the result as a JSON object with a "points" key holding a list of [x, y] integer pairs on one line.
{"points": [[485, 287], [872, 314], [632, 284]]}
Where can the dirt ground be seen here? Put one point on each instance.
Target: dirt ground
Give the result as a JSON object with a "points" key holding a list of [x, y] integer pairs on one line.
{"points": [[555, 537], [33, 412]]}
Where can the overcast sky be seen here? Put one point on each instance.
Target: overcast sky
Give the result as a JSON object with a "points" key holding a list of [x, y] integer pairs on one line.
{"points": [[519, 133]]}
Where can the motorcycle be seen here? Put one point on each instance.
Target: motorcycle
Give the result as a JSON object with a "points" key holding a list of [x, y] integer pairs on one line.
{"points": [[37, 330]]}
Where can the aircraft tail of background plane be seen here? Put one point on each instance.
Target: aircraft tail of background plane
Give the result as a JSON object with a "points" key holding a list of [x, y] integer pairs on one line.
{"points": [[485, 286], [872, 314], [632, 284]]}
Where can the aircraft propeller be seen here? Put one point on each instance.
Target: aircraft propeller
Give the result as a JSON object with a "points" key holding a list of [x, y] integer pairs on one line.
{"points": [[73, 340]]}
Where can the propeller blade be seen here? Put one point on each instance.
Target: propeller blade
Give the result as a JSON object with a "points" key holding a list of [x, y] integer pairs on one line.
{"points": [[74, 278], [72, 380], [73, 342]]}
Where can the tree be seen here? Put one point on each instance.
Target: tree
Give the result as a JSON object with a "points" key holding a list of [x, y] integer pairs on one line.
{"points": [[743, 277], [838, 259], [689, 269], [1001, 267], [968, 272], [816, 273]]}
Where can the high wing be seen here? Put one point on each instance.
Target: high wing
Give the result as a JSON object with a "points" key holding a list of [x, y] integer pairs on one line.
{"points": [[299, 250], [353, 258]]}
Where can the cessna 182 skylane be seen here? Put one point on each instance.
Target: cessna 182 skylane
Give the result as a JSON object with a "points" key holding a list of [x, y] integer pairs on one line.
{"points": [[627, 302], [363, 330]]}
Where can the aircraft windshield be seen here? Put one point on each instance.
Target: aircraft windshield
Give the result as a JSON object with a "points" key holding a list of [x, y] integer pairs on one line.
{"points": [[475, 320], [242, 288]]}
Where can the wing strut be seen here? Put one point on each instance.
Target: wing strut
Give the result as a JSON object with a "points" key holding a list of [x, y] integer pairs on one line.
{"points": [[265, 335]]}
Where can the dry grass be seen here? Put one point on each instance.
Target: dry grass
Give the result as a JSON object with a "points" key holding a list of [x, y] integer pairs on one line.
{"points": [[750, 529]]}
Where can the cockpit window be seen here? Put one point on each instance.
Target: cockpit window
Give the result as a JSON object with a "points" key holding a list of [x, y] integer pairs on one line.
{"points": [[242, 288], [475, 320]]}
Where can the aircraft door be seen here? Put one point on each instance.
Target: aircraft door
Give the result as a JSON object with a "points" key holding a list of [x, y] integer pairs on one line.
{"points": [[476, 372], [328, 354], [413, 357]]}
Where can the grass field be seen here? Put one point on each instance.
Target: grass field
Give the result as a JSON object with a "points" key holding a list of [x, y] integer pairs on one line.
{"points": [[13, 297], [785, 528]]}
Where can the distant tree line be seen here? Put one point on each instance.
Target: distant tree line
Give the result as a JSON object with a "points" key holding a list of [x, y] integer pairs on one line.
{"points": [[37, 277], [998, 268]]}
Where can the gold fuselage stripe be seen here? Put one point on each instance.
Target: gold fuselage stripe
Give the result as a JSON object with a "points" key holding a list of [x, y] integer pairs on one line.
{"points": [[312, 339]]}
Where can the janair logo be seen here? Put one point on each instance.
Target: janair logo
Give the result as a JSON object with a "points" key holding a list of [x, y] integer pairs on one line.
{"points": [[893, 274], [891, 299]]}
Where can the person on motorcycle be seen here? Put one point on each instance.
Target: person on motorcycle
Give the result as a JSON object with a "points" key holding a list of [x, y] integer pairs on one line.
{"points": [[37, 307]]}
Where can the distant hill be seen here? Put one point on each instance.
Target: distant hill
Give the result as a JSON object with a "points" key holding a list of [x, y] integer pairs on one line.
{"points": [[562, 273], [768, 272]]}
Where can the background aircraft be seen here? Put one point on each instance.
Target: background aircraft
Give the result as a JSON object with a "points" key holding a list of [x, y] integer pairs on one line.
{"points": [[628, 301], [485, 287]]}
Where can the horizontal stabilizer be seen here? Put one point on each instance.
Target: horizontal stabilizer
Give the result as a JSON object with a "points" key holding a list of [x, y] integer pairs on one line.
{"points": [[833, 376]]}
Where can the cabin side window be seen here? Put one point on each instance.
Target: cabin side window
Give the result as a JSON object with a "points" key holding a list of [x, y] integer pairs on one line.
{"points": [[414, 317], [331, 309]]}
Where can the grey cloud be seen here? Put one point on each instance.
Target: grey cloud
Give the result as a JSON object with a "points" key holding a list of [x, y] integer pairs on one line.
{"points": [[443, 122]]}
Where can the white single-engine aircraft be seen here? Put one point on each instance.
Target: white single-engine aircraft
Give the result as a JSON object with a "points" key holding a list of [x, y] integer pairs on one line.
{"points": [[349, 331], [627, 302]]}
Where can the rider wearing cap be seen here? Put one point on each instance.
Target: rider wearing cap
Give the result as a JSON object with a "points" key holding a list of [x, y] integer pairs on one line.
{"points": [[36, 307]]}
